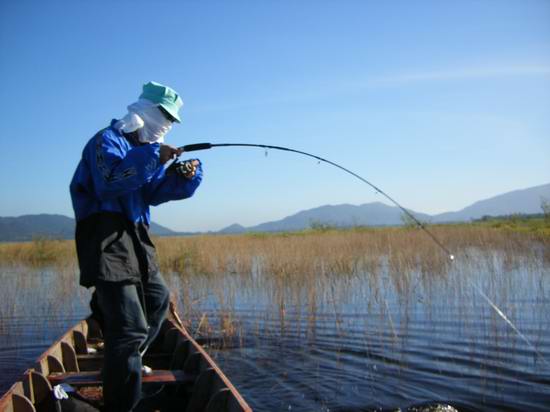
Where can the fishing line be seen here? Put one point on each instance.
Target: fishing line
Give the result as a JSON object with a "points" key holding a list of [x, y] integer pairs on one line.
{"points": [[509, 322], [206, 146]]}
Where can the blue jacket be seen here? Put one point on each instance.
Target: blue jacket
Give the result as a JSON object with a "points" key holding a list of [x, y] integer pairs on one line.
{"points": [[117, 175], [113, 186]]}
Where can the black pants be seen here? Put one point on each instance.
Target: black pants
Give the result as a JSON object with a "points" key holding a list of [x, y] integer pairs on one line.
{"points": [[128, 329]]}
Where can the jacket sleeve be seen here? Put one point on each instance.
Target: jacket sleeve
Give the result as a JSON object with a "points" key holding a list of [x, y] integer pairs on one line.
{"points": [[117, 171], [164, 188]]}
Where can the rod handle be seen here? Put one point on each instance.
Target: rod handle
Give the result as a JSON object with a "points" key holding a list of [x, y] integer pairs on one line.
{"points": [[196, 146]]}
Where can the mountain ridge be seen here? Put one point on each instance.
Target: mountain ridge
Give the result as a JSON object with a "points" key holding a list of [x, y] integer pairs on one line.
{"points": [[526, 201], [51, 226]]}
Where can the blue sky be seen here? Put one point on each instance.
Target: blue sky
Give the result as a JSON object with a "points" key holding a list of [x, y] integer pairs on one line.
{"points": [[438, 103]]}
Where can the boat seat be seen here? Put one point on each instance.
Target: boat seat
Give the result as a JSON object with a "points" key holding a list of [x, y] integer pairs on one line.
{"points": [[93, 378], [95, 361], [147, 356]]}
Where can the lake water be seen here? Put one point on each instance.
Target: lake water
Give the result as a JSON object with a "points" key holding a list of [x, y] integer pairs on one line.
{"points": [[361, 341]]}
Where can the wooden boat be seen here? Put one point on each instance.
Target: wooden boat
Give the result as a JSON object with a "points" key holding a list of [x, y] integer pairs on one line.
{"points": [[184, 375]]}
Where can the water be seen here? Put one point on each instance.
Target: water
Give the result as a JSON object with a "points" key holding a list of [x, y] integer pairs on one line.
{"points": [[361, 341]]}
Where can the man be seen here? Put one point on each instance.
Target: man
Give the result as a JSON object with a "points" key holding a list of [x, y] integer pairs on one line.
{"points": [[122, 172]]}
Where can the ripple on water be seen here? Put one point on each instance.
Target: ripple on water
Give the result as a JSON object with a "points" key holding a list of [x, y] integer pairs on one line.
{"points": [[364, 345]]}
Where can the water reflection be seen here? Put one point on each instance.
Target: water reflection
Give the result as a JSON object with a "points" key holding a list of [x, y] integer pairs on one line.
{"points": [[375, 336]]}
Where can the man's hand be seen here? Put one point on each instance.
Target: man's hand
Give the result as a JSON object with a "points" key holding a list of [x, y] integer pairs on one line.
{"points": [[168, 152]]}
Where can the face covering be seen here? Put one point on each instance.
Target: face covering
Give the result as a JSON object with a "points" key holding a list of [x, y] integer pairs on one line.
{"points": [[145, 117]]}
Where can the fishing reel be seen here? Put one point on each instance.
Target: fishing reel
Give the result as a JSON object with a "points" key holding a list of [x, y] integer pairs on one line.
{"points": [[185, 168]]}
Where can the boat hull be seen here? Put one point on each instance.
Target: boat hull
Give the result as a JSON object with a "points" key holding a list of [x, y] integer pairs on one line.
{"points": [[184, 375]]}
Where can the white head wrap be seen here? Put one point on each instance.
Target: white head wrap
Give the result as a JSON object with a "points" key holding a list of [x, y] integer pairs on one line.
{"points": [[145, 117]]}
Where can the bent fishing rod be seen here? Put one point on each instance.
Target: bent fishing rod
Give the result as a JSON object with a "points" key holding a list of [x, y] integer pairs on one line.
{"points": [[206, 146]]}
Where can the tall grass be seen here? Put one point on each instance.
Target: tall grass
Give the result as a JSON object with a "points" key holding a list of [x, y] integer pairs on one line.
{"points": [[39, 252], [336, 252], [292, 282], [296, 276], [306, 252], [387, 295]]}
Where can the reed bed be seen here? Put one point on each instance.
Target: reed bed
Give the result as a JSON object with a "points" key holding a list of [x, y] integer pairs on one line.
{"points": [[373, 296], [336, 252], [291, 278], [306, 252], [273, 285], [39, 252]]}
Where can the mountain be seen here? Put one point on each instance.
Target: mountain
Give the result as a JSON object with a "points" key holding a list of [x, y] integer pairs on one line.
{"points": [[371, 214], [28, 227], [159, 230], [525, 201], [232, 229]]}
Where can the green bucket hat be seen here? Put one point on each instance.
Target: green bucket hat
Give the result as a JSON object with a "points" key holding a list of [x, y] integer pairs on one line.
{"points": [[163, 96]]}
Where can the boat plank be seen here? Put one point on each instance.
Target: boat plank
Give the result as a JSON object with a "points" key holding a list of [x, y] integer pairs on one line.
{"points": [[80, 345], [21, 404], [41, 388], [54, 364], [219, 401], [238, 397], [201, 391], [185, 361], [68, 355], [93, 378]]}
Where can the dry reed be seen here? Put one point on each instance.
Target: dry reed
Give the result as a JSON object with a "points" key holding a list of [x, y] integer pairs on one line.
{"points": [[335, 252], [289, 282], [301, 253]]}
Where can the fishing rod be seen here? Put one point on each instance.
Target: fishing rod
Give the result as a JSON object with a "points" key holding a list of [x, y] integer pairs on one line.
{"points": [[206, 146]]}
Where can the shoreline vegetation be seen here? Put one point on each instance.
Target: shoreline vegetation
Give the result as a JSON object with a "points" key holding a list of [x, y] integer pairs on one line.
{"points": [[321, 247]]}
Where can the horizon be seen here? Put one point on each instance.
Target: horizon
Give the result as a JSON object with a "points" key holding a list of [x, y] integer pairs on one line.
{"points": [[436, 112], [386, 203]]}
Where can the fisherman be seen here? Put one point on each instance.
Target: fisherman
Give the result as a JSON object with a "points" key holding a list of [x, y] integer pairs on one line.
{"points": [[122, 172]]}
